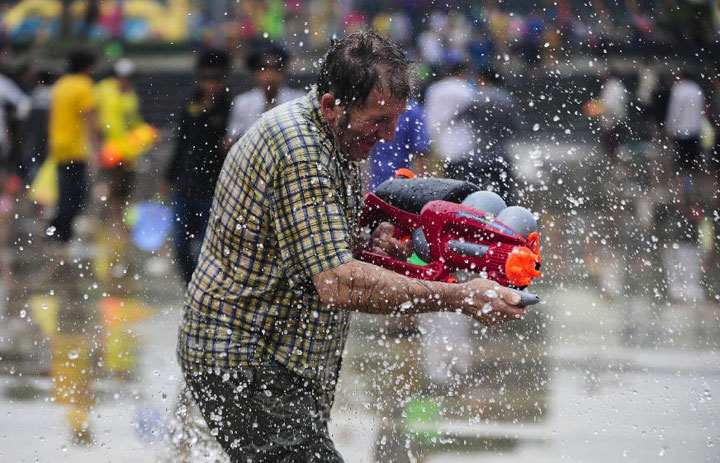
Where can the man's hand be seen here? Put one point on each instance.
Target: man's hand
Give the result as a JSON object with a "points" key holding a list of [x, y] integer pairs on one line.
{"points": [[489, 303], [382, 242]]}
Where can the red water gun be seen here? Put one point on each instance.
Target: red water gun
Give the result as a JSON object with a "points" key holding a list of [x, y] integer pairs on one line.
{"points": [[455, 228]]}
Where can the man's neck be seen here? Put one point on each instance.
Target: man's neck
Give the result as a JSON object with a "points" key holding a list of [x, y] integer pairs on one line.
{"points": [[271, 94]]}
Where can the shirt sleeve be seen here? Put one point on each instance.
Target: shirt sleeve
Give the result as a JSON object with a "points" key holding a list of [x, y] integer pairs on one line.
{"points": [[308, 219], [419, 137]]}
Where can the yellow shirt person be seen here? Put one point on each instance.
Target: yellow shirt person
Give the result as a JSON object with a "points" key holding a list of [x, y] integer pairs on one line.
{"points": [[125, 135], [118, 109], [72, 123], [72, 99]]}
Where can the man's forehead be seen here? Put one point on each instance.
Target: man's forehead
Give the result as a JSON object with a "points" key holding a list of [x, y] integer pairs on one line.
{"points": [[382, 100]]}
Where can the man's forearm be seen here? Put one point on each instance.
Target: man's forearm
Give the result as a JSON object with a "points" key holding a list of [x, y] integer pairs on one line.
{"points": [[368, 288]]}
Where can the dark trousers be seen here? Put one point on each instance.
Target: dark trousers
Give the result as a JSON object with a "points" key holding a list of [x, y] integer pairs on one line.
{"points": [[191, 219], [611, 140], [687, 154], [263, 414], [72, 195]]}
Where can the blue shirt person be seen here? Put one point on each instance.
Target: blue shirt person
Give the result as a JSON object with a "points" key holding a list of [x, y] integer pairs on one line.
{"points": [[411, 141]]}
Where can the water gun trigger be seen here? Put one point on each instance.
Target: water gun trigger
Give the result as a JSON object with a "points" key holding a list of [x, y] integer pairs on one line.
{"points": [[522, 266]]}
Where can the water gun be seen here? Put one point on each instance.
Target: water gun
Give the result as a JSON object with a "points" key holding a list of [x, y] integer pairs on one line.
{"points": [[456, 229]]}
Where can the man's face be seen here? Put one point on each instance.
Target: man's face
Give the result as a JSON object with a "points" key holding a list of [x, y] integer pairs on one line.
{"points": [[269, 79], [357, 131], [211, 81]]}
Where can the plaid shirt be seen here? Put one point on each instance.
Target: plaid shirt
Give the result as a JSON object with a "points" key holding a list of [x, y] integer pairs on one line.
{"points": [[286, 207]]}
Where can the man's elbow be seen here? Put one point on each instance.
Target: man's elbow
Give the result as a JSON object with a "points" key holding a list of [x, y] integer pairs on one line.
{"points": [[331, 288], [331, 298]]}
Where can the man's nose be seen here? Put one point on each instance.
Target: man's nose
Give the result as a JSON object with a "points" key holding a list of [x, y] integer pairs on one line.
{"points": [[387, 130]]}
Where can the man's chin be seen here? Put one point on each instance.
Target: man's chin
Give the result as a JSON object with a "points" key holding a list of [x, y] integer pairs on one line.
{"points": [[360, 153]]}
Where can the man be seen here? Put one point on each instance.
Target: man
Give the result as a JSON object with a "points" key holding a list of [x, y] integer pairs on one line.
{"points": [[268, 307], [72, 139], [613, 120], [683, 122], [267, 62], [118, 116], [492, 119], [409, 147], [35, 146], [199, 156], [444, 101], [488, 121], [11, 96]]}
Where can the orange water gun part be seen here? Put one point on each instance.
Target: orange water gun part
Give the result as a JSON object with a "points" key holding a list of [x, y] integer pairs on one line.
{"points": [[523, 263], [404, 173]]}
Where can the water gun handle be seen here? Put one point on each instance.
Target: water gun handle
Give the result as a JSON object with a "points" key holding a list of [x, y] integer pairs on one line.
{"points": [[526, 298]]}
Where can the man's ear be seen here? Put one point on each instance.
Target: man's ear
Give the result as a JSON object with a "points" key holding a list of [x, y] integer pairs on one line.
{"points": [[329, 109]]}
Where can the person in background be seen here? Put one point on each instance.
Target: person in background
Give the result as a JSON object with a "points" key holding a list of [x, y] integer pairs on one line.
{"points": [[715, 122], [35, 147], [409, 148], [613, 120], [683, 122], [199, 156], [492, 118], [471, 125], [11, 97], [73, 137], [647, 84], [118, 116], [444, 100], [267, 62]]}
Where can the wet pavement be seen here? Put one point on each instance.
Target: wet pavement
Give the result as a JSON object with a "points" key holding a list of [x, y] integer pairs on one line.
{"points": [[613, 364]]}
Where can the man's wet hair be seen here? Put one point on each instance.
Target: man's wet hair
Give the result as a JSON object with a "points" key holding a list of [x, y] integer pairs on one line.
{"points": [[80, 61], [360, 62]]}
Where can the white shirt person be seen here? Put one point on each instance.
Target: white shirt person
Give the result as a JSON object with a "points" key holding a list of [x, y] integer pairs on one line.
{"points": [[247, 108]]}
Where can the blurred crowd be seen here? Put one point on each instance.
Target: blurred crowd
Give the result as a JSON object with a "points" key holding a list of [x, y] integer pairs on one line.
{"points": [[72, 137], [65, 127], [569, 26]]}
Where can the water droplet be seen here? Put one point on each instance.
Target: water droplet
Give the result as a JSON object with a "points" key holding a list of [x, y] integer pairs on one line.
{"points": [[73, 354], [50, 231]]}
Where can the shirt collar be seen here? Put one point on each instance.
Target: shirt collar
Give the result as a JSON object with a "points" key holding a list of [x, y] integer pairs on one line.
{"points": [[316, 115]]}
